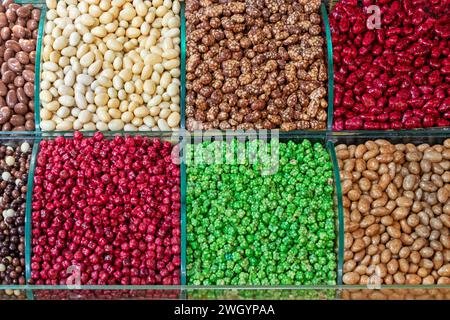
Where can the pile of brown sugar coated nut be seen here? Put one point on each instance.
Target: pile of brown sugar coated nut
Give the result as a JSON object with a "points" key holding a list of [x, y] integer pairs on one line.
{"points": [[255, 64], [397, 212]]}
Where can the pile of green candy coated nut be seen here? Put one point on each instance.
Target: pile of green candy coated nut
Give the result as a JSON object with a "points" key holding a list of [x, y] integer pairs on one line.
{"points": [[261, 294], [264, 222]]}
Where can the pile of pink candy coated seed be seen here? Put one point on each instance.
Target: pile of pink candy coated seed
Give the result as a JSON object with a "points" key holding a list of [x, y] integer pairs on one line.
{"points": [[108, 209], [394, 77]]}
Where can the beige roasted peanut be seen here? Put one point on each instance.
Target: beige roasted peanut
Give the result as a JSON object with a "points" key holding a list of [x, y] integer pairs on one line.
{"points": [[444, 271], [354, 195], [394, 245], [355, 216], [392, 191], [359, 151], [413, 279], [346, 186], [400, 213], [410, 181], [367, 221], [403, 265], [342, 154], [351, 278], [404, 202], [432, 155], [394, 232], [376, 192], [418, 244], [364, 184], [381, 202], [358, 245], [363, 205], [387, 220], [398, 198], [445, 218], [386, 255], [373, 230], [349, 266], [348, 240], [399, 278], [392, 266], [404, 252]]}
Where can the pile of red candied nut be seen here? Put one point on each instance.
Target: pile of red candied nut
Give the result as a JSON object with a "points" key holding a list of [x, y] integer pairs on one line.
{"points": [[394, 75]]}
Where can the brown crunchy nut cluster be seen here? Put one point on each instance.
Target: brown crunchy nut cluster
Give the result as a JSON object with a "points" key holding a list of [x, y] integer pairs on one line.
{"points": [[255, 64]]}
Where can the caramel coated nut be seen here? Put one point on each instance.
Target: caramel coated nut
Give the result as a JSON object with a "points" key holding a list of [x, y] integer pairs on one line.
{"points": [[255, 65]]}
